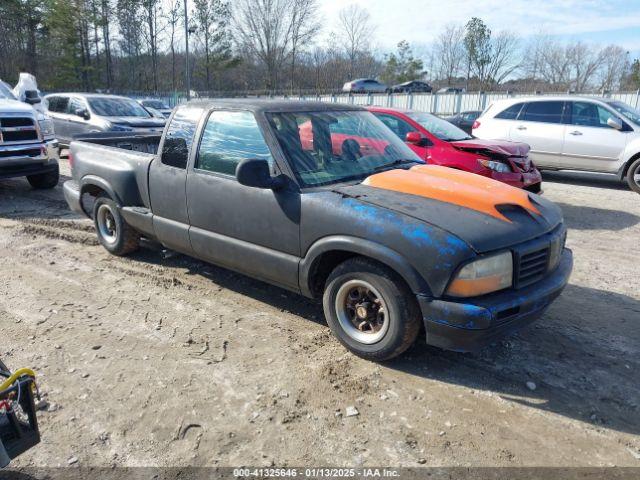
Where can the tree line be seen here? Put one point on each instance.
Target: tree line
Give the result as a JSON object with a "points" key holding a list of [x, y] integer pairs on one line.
{"points": [[277, 46]]}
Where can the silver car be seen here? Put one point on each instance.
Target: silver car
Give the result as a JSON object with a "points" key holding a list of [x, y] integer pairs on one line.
{"points": [[364, 85], [77, 113]]}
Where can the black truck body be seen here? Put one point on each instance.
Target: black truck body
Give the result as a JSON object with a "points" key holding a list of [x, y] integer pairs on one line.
{"points": [[295, 235]]}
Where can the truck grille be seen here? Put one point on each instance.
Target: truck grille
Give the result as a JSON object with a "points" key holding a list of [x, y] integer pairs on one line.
{"points": [[532, 266], [17, 129], [28, 152]]}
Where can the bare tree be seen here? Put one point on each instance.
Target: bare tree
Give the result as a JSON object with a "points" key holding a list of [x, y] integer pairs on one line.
{"points": [[584, 61], [449, 52], [262, 26], [356, 31], [304, 26], [212, 18], [151, 11], [614, 66], [504, 48], [173, 17]]}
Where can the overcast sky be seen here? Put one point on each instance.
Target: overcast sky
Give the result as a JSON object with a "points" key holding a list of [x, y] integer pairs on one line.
{"points": [[420, 21]]}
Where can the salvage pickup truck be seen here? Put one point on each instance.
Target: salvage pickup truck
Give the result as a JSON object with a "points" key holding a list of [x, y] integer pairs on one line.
{"points": [[28, 147], [388, 243]]}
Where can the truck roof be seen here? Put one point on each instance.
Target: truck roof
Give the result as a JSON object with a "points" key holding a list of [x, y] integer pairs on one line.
{"points": [[264, 105]]}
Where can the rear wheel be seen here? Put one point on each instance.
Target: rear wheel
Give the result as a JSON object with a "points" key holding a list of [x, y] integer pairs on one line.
{"points": [[633, 176], [44, 180], [370, 309], [114, 233]]}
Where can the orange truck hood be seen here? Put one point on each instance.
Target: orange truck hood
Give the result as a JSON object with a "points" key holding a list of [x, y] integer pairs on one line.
{"points": [[454, 186]]}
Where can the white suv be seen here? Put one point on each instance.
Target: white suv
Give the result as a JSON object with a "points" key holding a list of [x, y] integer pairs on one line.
{"points": [[570, 133]]}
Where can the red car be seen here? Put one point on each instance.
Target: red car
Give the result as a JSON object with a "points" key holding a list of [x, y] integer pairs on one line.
{"points": [[439, 142]]}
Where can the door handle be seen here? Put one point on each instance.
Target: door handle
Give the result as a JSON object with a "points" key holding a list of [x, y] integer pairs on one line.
{"points": [[575, 132], [521, 127]]}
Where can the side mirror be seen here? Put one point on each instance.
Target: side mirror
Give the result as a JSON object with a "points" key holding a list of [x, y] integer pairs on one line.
{"points": [[31, 97], [614, 123], [255, 172], [83, 113], [414, 138]]}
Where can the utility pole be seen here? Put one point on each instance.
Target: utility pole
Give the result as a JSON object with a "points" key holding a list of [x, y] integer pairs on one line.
{"points": [[186, 43]]}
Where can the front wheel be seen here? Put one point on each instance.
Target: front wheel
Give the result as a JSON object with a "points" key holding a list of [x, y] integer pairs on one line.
{"points": [[633, 176], [114, 233], [370, 309], [44, 180]]}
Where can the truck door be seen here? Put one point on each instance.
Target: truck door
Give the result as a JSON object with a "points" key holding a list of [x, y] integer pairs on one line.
{"points": [[168, 181], [252, 230]]}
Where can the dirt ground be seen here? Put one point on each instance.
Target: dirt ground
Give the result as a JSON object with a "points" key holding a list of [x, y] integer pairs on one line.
{"points": [[154, 361]]}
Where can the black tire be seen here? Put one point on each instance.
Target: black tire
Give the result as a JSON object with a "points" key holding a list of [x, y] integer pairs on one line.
{"points": [[113, 232], [632, 174], [41, 181], [402, 312]]}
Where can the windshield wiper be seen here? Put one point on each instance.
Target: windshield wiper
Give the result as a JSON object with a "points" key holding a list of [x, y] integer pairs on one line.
{"points": [[399, 161]]}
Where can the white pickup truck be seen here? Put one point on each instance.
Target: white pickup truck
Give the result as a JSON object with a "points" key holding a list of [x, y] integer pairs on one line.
{"points": [[28, 147]]}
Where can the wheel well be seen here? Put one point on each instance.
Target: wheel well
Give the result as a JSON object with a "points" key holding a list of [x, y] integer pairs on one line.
{"points": [[628, 164], [328, 261], [323, 266], [94, 192]]}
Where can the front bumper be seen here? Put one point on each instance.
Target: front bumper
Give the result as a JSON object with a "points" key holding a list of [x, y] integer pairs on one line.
{"points": [[469, 326], [19, 161], [518, 179]]}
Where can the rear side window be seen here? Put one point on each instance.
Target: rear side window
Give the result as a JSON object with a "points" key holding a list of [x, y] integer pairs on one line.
{"points": [[544, 112], [510, 113], [58, 104], [228, 138], [179, 137]]}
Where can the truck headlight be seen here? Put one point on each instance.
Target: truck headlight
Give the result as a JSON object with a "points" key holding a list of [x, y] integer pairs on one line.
{"points": [[46, 127], [495, 166], [484, 275]]}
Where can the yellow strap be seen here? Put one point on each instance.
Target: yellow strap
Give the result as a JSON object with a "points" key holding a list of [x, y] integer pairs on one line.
{"points": [[17, 374]]}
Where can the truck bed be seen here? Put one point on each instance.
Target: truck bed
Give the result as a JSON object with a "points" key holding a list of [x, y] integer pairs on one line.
{"points": [[121, 159]]}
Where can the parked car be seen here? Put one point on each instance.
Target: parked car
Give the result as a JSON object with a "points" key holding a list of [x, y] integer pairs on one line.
{"points": [[438, 142], [157, 105], [28, 147], [389, 244], [364, 85], [411, 87], [570, 133], [464, 120], [451, 90], [80, 113]]}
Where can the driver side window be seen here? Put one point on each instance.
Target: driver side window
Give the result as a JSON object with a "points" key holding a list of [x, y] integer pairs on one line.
{"points": [[228, 138], [396, 125]]}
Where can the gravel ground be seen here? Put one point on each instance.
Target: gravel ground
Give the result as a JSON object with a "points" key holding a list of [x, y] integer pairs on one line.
{"points": [[155, 361]]}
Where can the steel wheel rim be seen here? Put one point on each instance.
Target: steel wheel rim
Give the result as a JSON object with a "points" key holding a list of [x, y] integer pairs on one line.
{"points": [[362, 312], [636, 176], [107, 224]]}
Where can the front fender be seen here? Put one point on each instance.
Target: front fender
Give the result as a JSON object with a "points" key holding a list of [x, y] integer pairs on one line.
{"points": [[363, 247]]}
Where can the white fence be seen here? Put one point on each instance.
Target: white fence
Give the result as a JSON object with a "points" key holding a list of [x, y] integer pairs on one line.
{"points": [[437, 103], [444, 103]]}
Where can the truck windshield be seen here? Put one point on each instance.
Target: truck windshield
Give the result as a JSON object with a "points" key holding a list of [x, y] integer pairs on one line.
{"points": [[439, 127], [117, 107], [328, 147], [5, 91], [157, 104]]}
